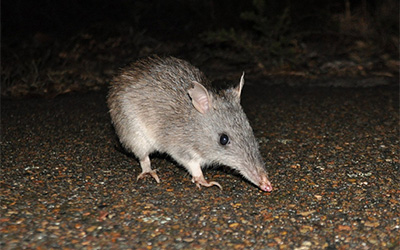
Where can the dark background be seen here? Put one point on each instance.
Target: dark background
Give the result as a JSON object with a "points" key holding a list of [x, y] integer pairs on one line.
{"points": [[46, 43], [182, 18]]}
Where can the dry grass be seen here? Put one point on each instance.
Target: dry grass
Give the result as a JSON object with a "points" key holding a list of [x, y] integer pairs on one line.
{"points": [[365, 44]]}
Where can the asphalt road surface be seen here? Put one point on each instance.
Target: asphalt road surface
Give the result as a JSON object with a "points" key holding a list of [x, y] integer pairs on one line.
{"points": [[332, 155]]}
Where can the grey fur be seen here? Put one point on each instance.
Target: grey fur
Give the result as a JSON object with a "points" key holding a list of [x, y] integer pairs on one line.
{"points": [[152, 109]]}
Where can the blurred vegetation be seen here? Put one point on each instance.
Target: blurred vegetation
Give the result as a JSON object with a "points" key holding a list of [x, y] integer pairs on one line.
{"points": [[54, 47], [273, 34], [269, 39]]}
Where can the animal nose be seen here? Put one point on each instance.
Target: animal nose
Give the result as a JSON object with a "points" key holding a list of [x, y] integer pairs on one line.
{"points": [[265, 185]]}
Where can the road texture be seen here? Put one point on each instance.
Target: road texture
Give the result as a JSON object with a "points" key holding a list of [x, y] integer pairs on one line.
{"points": [[332, 155]]}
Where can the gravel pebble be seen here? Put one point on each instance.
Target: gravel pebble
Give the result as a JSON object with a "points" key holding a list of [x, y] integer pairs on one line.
{"points": [[332, 156]]}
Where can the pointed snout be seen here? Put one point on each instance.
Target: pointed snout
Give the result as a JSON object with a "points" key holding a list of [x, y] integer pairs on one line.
{"points": [[265, 184]]}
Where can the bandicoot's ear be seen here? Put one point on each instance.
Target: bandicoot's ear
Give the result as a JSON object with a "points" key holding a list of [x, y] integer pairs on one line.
{"points": [[200, 98], [238, 90]]}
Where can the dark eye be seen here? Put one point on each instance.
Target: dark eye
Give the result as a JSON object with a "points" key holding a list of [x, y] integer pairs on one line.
{"points": [[224, 139]]}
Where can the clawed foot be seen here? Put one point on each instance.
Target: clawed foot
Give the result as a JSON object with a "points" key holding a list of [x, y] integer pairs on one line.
{"points": [[152, 173], [200, 181]]}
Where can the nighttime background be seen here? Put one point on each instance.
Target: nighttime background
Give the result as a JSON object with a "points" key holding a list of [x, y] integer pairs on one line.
{"points": [[54, 47], [321, 95]]}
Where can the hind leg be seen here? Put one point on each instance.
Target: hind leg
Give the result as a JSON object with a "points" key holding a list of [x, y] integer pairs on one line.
{"points": [[146, 169], [141, 148]]}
